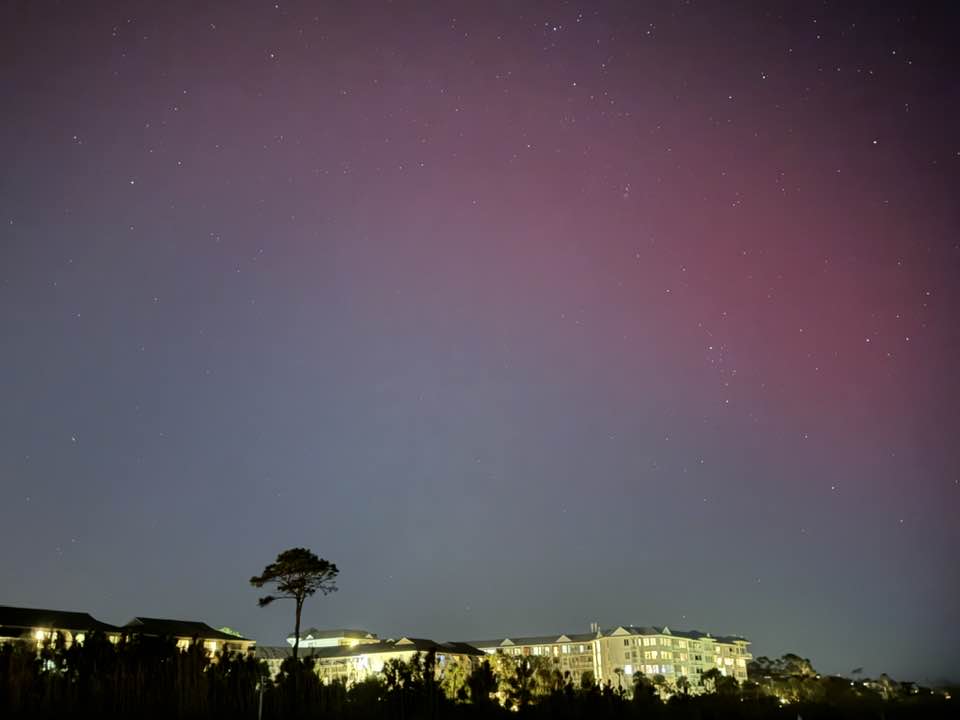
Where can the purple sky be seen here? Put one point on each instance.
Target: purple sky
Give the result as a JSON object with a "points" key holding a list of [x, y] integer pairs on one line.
{"points": [[526, 314]]}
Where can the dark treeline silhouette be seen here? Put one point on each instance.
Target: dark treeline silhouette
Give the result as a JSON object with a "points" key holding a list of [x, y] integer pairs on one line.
{"points": [[151, 678]]}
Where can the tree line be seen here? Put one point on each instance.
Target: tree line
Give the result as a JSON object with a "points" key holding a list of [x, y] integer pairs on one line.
{"points": [[154, 678], [142, 677]]}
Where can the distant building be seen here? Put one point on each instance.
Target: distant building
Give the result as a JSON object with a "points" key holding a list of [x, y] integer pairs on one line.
{"points": [[630, 649], [575, 653], [355, 663], [672, 653], [41, 626], [333, 638], [187, 632]]}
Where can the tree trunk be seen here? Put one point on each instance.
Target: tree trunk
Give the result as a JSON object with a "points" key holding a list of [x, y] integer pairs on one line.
{"points": [[296, 630]]}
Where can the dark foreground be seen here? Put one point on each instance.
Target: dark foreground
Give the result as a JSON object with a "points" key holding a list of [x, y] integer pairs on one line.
{"points": [[152, 679]]}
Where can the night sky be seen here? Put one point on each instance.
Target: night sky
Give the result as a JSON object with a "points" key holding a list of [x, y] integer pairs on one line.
{"points": [[526, 314]]}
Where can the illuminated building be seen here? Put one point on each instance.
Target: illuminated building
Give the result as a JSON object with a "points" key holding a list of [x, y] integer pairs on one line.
{"points": [[43, 626], [187, 632], [670, 653], [53, 626], [614, 655], [350, 663], [333, 638]]}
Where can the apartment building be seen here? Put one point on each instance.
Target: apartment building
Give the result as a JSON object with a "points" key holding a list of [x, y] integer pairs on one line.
{"points": [[342, 637], [187, 632], [43, 626], [670, 653], [575, 653], [53, 626], [614, 655], [344, 660]]}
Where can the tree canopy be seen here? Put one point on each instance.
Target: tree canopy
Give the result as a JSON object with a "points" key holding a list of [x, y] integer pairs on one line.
{"points": [[297, 574]]}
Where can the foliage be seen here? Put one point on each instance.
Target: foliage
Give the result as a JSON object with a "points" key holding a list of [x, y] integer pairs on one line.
{"points": [[297, 574], [153, 679]]}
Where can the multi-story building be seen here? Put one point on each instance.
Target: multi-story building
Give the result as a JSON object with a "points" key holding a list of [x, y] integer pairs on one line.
{"points": [[333, 638], [351, 663], [43, 626], [575, 653], [614, 655], [670, 653], [187, 632]]}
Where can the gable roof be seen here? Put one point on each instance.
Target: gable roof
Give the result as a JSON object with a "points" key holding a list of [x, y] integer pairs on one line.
{"points": [[26, 618], [318, 634], [404, 644], [687, 634], [163, 627], [618, 631], [534, 640], [282, 652]]}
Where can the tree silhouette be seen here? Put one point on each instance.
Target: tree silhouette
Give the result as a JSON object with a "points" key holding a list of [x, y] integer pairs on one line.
{"points": [[482, 684], [297, 574], [711, 679], [520, 685]]}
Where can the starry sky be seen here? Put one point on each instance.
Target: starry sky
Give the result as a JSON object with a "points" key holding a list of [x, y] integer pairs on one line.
{"points": [[526, 314]]}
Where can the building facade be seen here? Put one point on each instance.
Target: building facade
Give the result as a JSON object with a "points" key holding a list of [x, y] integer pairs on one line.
{"points": [[670, 653], [614, 655], [574, 653], [187, 632], [342, 637], [61, 626], [351, 662], [42, 626]]}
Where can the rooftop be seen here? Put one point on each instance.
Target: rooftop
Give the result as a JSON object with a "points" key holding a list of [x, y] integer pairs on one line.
{"points": [[164, 627], [510, 641], [318, 634], [383, 646], [25, 618]]}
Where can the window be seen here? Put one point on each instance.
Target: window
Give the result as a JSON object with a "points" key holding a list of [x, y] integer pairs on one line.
{"points": [[628, 670], [626, 641]]}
